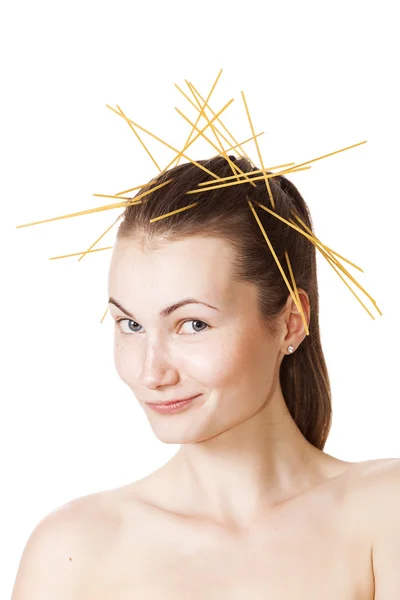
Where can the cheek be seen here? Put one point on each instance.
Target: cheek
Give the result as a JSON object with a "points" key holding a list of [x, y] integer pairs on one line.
{"points": [[125, 366], [210, 368], [231, 358], [220, 364], [244, 365], [206, 365], [223, 363]]}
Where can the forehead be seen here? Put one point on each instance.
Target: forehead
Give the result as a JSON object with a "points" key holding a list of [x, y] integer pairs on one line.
{"points": [[193, 266]]}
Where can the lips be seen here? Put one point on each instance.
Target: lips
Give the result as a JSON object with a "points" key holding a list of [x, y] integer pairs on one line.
{"points": [[173, 401]]}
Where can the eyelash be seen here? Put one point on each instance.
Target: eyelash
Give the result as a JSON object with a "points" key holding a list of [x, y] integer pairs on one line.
{"points": [[118, 321]]}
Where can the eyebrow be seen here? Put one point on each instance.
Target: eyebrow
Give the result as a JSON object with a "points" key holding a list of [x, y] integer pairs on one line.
{"points": [[165, 312]]}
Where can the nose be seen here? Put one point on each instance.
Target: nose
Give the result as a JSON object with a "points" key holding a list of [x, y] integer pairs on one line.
{"points": [[157, 369]]}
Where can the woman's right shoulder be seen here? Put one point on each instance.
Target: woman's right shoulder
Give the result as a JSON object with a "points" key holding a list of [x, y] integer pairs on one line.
{"points": [[62, 550]]}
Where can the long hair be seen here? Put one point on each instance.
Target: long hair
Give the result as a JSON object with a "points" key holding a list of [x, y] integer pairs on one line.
{"points": [[225, 213]]}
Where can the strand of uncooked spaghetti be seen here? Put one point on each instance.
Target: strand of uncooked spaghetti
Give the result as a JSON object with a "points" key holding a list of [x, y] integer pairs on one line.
{"points": [[140, 140], [99, 208], [296, 291], [229, 184], [317, 242], [299, 165], [196, 96], [307, 162], [244, 142], [117, 219], [310, 236], [258, 152], [230, 177], [328, 258], [178, 152], [104, 315], [78, 253], [232, 165], [216, 128], [199, 116], [139, 187], [119, 194], [335, 263], [178, 210], [342, 268], [298, 305], [223, 126], [221, 151], [234, 168], [100, 237]]}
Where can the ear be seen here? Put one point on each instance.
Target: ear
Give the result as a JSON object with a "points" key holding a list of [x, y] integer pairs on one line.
{"points": [[295, 331]]}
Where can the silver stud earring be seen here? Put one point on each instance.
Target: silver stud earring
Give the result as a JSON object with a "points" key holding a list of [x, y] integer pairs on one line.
{"points": [[290, 349]]}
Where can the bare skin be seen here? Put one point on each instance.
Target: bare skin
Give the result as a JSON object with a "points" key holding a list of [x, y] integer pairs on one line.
{"points": [[247, 508], [241, 509], [154, 545]]}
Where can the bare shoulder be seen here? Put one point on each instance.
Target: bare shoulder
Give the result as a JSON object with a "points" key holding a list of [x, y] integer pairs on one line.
{"points": [[373, 498], [379, 487], [370, 483], [377, 478], [61, 550]]}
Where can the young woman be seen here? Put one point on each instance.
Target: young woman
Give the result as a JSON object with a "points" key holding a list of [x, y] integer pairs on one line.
{"points": [[250, 507]]}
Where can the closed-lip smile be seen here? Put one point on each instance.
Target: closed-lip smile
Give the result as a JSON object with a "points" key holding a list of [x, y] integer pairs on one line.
{"points": [[174, 401]]}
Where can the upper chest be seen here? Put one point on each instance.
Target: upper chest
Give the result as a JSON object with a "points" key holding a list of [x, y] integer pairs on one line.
{"points": [[317, 548]]}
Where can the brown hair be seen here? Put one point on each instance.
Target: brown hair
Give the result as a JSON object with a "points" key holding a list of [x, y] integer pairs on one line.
{"points": [[225, 213]]}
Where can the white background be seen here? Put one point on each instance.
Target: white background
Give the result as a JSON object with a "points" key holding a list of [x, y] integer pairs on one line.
{"points": [[318, 76]]}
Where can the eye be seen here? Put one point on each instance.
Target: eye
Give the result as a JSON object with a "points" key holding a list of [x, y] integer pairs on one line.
{"points": [[120, 321], [132, 329], [196, 322]]}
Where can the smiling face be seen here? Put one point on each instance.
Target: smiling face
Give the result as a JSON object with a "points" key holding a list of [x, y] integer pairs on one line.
{"points": [[222, 352]]}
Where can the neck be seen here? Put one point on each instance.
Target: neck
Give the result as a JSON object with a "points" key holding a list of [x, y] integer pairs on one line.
{"points": [[238, 476]]}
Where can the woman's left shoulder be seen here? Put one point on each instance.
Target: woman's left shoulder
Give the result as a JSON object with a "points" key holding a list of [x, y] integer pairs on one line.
{"points": [[372, 485], [379, 501], [373, 493], [382, 472]]}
